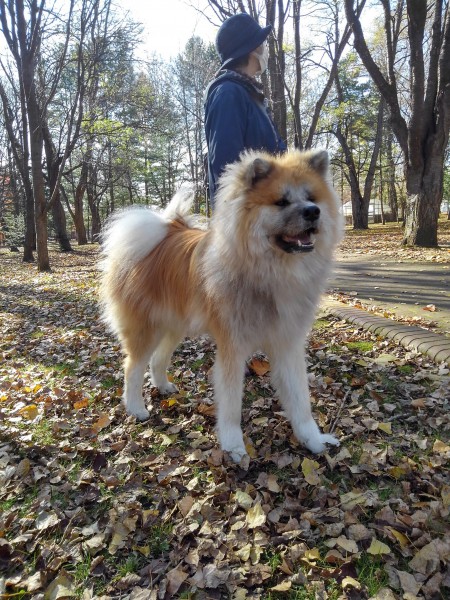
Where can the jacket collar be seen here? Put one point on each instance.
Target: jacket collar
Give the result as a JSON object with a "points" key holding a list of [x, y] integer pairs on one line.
{"points": [[253, 86]]}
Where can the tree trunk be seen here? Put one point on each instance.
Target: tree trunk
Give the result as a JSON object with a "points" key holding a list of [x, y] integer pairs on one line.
{"points": [[78, 217], [30, 227], [277, 66], [392, 191], [60, 225], [53, 166], [360, 209], [96, 225], [40, 209], [424, 202]]}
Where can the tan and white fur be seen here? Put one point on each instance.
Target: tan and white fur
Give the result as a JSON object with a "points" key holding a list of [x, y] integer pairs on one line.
{"points": [[252, 280]]}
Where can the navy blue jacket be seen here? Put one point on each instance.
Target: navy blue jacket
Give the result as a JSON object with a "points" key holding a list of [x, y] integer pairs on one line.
{"points": [[236, 119]]}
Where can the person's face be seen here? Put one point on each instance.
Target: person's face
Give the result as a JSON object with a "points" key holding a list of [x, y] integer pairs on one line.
{"points": [[262, 54]]}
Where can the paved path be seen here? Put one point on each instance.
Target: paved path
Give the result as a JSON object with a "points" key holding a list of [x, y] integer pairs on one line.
{"points": [[403, 288]]}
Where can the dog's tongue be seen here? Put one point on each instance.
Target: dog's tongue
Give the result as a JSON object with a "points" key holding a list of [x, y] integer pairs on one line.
{"points": [[303, 239]]}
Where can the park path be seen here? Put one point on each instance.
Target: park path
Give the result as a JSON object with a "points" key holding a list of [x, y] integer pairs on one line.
{"points": [[407, 289]]}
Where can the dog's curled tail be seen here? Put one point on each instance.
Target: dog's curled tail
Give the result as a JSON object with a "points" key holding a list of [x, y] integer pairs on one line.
{"points": [[180, 207], [130, 234]]}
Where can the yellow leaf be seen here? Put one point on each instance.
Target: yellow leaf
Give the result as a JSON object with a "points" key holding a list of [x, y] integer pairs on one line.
{"points": [[312, 555], [260, 421], [284, 586], [385, 359], [386, 427], [351, 499], [80, 404], [3, 397], [350, 582], [244, 553], [144, 550], [243, 499], [362, 363], [377, 547], [255, 554], [166, 440], [309, 471], [402, 539], [256, 516], [445, 493], [398, 472], [29, 412], [119, 536], [168, 403], [23, 468], [440, 447]]}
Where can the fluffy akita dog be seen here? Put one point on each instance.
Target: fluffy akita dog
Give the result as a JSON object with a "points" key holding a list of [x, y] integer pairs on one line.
{"points": [[252, 280]]}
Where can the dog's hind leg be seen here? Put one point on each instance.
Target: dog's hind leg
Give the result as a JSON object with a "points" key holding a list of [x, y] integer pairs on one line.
{"points": [[161, 360], [138, 346], [290, 379], [228, 389]]}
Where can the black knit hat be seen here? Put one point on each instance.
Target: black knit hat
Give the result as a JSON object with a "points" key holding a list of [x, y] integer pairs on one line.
{"points": [[238, 36]]}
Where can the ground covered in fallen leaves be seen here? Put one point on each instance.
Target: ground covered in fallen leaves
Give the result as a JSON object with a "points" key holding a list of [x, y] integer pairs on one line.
{"points": [[94, 505], [385, 241]]}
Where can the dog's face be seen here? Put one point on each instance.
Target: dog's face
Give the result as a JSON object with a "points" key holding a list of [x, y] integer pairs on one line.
{"points": [[283, 204]]}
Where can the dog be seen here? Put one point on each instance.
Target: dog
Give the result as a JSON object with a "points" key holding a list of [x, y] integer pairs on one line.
{"points": [[252, 280]]}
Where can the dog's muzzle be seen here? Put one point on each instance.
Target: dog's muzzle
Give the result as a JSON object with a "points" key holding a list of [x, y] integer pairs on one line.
{"points": [[300, 242]]}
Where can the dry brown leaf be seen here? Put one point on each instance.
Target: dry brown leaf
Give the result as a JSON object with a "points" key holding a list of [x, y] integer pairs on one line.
{"points": [[175, 578], [259, 366], [409, 583]]}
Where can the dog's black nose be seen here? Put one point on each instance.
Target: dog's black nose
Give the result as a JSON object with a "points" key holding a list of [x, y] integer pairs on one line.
{"points": [[311, 212]]}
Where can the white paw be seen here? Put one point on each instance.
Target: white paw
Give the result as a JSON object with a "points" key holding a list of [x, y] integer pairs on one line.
{"points": [[141, 414], [237, 454], [167, 388], [319, 444], [311, 437], [232, 441]]}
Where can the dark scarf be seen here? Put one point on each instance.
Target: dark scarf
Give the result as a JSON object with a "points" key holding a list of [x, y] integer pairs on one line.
{"points": [[254, 87]]}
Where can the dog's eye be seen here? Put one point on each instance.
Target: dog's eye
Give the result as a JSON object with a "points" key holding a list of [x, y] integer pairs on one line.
{"points": [[311, 199], [283, 202]]}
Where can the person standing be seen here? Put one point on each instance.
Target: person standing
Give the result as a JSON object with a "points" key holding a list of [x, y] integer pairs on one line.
{"points": [[236, 111]]}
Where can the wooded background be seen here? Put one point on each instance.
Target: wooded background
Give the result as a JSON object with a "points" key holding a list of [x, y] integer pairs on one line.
{"points": [[87, 126]]}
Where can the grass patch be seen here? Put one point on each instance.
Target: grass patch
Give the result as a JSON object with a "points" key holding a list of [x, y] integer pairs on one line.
{"points": [[360, 346], [320, 324], [159, 539], [371, 573]]}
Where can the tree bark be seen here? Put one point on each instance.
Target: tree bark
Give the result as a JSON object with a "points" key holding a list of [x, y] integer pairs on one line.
{"points": [[424, 201], [78, 217]]}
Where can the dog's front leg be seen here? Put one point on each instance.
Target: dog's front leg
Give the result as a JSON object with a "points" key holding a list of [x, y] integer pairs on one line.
{"points": [[290, 379], [228, 389]]}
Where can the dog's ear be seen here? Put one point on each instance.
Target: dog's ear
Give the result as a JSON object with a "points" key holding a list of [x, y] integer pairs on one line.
{"points": [[319, 161], [258, 169]]}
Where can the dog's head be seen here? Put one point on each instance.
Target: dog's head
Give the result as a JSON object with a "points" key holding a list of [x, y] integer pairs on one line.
{"points": [[284, 204]]}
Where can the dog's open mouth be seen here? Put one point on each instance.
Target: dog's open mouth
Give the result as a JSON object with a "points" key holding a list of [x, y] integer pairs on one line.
{"points": [[300, 242]]}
